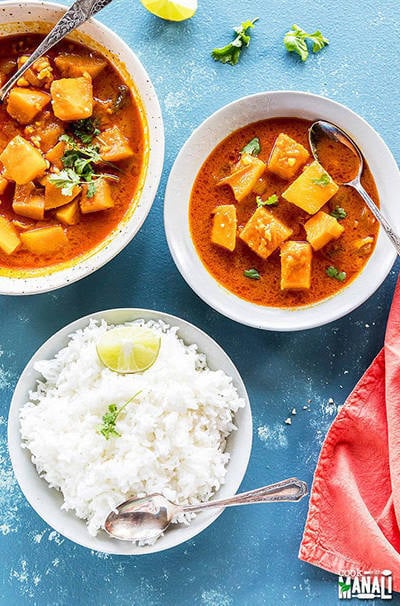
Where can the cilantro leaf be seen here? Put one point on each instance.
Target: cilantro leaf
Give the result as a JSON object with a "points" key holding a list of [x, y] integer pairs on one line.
{"points": [[109, 419], [333, 272], [338, 213], [270, 201], [66, 179], [253, 147], [252, 274], [85, 129], [295, 41], [323, 180], [231, 52]]}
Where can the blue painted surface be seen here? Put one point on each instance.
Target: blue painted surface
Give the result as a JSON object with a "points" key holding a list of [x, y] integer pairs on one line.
{"points": [[249, 555]]}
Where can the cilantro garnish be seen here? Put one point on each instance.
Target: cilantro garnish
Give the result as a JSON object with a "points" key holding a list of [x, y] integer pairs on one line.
{"points": [[332, 272], [252, 274], [295, 41], [85, 129], [270, 201], [108, 429], [231, 52], [323, 180], [338, 213], [253, 147]]}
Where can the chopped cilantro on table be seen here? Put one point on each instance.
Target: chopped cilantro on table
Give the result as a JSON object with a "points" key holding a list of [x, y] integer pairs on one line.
{"points": [[252, 274], [295, 41], [231, 52], [253, 147], [333, 272], [270, 201]]}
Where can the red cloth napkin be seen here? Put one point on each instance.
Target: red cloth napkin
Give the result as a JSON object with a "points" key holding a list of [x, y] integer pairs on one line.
{"points": [[354, 514]]}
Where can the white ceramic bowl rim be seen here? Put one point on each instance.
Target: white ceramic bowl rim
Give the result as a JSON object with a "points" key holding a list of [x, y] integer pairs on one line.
{"points": [[195, 151], [47, 502], [13, 12]]}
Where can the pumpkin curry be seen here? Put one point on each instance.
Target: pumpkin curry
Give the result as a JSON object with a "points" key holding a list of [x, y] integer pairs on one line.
{"points": [[71, 153], [272, 225]]}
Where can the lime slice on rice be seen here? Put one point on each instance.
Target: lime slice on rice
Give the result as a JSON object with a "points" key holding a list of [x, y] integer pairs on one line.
{"points": [[127, 349], [171, 11]]}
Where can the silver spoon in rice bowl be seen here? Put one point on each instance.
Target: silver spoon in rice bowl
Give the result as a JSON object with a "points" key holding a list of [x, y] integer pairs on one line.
{"points": [[320, 130], [147, 518]]}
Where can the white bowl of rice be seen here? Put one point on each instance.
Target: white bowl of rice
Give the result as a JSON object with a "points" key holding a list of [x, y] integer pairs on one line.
{"points": [[187, 435]]}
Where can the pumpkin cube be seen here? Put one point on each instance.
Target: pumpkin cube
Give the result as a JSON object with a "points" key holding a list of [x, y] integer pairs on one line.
{"points": [[224, 226], [3, 185], [321, 229], [55, 154], [287, 157], [101, 200], [244, 176], [44, 240], [22, 161], [73, 66], [9, 240], [72, 98], [264, 232], [69, 214], [114, 145], [312, 189], [53, 196], [296, 260], [24, 104], [50, 132], [28, 202]]}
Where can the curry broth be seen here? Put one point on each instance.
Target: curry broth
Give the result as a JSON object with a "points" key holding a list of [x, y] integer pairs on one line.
{"points": [[92, 228], [227, 267]]}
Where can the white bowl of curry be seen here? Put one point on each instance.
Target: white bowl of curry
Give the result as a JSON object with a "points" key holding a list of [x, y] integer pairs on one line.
{"points": [[261, 231], [81, 151]]}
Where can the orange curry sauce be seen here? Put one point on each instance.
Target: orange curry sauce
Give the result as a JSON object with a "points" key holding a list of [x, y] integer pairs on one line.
{"points": [[93, 227], [228, 267]]}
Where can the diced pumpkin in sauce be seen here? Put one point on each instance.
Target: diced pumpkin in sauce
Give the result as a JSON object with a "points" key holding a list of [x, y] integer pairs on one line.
{"points": [[312, 189], [72, 98], [73, 66], [244, 177], [3, 185], [40, 74], [69, 214], [114, 145], [24, 104], [53, 196], [22, 161], [21, 224], [321, 229], [31, 207], [55, 154], [102, 199], [287, 157], [44, 240], [264, 232], [224, 226], [9, 239], [49, 135], [296, 260]]}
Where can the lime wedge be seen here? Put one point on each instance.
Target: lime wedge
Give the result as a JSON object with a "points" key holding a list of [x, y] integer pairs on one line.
{"points": [[127, 349], [171, 11]]}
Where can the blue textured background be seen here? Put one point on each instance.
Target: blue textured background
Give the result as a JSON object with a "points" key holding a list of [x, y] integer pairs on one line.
{"points": [[249, 555]]}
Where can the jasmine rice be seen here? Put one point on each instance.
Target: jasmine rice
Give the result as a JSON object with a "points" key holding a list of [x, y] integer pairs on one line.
{"points": [[172, 435]]}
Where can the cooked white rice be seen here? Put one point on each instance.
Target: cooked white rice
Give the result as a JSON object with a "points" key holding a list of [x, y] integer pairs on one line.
{"points": [[172, 435]]}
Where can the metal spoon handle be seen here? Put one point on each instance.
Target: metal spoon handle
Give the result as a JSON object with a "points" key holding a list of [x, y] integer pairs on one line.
{"points": [[395, 239], [77, 14], [291, 489]]}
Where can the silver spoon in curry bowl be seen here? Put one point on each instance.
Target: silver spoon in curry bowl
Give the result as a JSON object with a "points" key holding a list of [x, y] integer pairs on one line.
{"points": [[326, 130], [147, 518], [75, 16]]}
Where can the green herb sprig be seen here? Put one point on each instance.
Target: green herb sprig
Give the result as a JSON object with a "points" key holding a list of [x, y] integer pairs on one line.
{"points": [[108, 429], [85, 129], [295, 41], [338, 213], [270, 201], [252, 274], [231, 52], [323, 180], [253, 147], [333, 272]]}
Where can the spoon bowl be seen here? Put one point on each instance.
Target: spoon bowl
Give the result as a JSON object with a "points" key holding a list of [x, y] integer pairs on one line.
{"points": [[321, 130]]}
